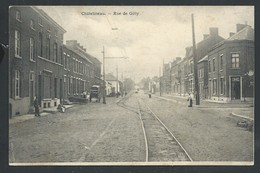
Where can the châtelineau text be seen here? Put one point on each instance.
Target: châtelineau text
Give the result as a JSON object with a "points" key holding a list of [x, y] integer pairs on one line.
{"points": [[113, 13]]}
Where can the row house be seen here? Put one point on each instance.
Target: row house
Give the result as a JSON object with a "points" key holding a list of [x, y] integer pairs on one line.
{"points": [[229, 66], [175, 75], [113, 85], [166, 82], [225, 67], [78, 73], [202, 49], [35, 59], [182, 76], [41, 65], [96, 78]]}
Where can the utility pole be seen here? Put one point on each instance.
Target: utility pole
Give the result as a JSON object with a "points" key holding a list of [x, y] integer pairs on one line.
{"points": [[104, 77], [195, 63], [160, 82], [117, 83], [104, 57]]}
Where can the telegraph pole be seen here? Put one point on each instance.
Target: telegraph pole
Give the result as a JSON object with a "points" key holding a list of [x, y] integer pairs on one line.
{"points": [[160, 83], [117, 83], [104, 77], [195, 64]]}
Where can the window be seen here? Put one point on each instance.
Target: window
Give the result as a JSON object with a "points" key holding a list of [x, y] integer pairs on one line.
{"points": [[55, 53], [48, 43], [222, 86], [221, 62], [67, 63], [213, 64], [235, 60], [17, 84], [209, 66], [40, 21], [31, 49], [214, 86], [17, 43], [48, 28], [61, 55], [74, 65], [32, 26], [201, 72], [40, 44], [191, 66], [55, 33], [18, 15]]}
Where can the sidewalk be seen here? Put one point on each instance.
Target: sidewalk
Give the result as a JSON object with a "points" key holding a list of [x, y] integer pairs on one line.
{"points": [[43, 112], [243, 110]]}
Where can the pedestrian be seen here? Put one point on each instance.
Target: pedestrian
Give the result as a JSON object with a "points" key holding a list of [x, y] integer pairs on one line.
{"points": [[36, 107], [61, 108], [150, 94], [190, 98]]}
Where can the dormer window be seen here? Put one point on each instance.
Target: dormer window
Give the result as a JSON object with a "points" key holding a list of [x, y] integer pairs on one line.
{"points": [[40, 21], [48, 28], [56, 35], [32, 25], [18, 16]]}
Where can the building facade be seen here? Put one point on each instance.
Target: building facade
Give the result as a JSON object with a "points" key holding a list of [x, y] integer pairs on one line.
{"points": [[35, 59], [225, 67], [229, 64], [78, 73], [41, 65]]}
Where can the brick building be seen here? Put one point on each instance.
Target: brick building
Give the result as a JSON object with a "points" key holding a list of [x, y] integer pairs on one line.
{"points": [[229, 63], [35, 59], [95, 67], [78, 73], [202, 49], [40, 65]]}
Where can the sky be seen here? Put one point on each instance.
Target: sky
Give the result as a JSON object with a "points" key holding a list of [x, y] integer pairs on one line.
{"points": [[147, 35]]}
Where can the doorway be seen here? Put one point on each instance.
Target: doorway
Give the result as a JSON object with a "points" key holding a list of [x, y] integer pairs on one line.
{"points": [[31, 87], [235, 88]]}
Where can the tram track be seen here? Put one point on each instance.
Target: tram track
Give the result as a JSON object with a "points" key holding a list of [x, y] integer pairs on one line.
{"points": [[161, 144]]}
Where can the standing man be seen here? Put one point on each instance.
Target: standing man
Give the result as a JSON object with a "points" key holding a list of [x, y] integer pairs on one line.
{"points": [[190, 99], [36, 107]]}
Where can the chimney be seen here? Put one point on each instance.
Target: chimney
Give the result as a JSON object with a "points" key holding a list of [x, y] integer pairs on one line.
{"points": [[231, 34], [240, 27], [213, 31], [205, 36]]}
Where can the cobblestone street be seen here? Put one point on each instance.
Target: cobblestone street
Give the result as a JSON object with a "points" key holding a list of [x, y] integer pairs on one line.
{"points": [[84, 133], [108, 133]]}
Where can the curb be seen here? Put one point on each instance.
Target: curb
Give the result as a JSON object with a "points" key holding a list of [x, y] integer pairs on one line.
{"points": [[241, 116], [31, 116]]}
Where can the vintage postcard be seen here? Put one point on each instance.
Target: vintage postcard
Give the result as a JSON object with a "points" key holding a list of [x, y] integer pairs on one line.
{"points": [[131, 85]]}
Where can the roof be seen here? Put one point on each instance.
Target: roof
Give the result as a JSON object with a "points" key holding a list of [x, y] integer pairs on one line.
{"points": [[46, 16], [247, 33], [78, 53], [203, 59], [203, 47]]}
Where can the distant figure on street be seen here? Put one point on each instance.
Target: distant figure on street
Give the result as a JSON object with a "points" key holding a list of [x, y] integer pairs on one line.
{"points": [[150, 94], [190, 98], [36, 107]]}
